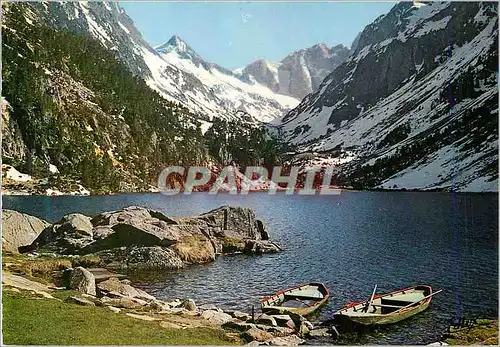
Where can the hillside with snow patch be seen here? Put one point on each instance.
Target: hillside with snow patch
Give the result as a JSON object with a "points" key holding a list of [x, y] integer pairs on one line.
{"points": [[417, 101]]}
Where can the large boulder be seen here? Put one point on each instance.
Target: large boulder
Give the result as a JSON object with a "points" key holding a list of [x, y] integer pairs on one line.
{"points": [[115, 287], [216, 317], [82, 280], [239, 220], [77, 223], [69, 235], [19, 229], [141, 258]]}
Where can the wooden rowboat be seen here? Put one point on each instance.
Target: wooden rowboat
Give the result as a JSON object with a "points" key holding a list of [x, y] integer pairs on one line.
{"points": [[387, 308], [304, 300]]}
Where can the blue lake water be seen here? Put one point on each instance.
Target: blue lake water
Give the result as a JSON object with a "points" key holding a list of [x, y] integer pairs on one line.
{"points": [[350, 242]]}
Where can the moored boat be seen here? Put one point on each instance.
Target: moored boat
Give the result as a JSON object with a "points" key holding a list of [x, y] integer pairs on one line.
{"points": [[387, 308], [303, 299]]}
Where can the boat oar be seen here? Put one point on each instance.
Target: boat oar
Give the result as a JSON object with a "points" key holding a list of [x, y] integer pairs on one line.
{"points": [[371, 299], [416, 302]]}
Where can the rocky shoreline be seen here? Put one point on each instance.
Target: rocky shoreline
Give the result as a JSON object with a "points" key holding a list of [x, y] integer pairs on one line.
{"points": [[136, 238]]}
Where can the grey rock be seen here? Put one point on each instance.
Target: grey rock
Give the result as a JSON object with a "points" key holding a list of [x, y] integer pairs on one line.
{"points": [[282, 331], [260, 247], [123, 302], [207, 307], [267, 320], [177, 310], [114, 309], [19, 229], [82, 280], [297, 318], [175, 303], [189, 305], [64, 237], [241, 315], [255, 334], [141, 258], [282, 320], [158, 305], [258, 343], [117, 288], [292, 340], [238, 325], [76, 223], [216, 317], [141, 317]]}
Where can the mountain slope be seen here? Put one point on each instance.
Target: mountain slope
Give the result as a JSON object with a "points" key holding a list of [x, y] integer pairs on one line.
{"points": [[417, 101], [300, 72], [72, 108], [218, 95]]}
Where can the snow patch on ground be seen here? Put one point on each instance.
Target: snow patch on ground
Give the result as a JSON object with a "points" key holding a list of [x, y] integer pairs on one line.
{"points": [[53, 169], [433, 26], [10, 172]]}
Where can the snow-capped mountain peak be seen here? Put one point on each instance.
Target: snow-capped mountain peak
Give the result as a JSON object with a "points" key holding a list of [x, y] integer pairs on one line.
{"points": [[300, 72], [176, 44], [212, 89]]}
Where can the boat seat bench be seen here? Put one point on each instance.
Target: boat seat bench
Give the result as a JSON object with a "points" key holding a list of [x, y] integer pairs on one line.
{"points": [[305, 295], [410, 297], [389, 306]]}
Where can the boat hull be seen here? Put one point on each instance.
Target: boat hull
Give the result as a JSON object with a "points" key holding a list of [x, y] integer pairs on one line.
{"points": [[303, 311], [386, 309], [381, 320], [319, 296]]}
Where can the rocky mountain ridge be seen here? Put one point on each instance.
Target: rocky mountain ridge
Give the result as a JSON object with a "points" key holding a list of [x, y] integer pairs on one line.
{"points": [[299, 73], [217, 91]]}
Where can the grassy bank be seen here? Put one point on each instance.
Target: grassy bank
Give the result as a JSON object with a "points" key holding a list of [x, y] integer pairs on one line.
{"points": [[485, 332], [28, 320]]}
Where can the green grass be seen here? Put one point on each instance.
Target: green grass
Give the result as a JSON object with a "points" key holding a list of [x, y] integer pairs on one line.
{"points": [[28, 321], [42, 269]]}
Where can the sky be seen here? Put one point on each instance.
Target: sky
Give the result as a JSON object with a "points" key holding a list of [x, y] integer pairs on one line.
{"points": [[232, 34]]}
